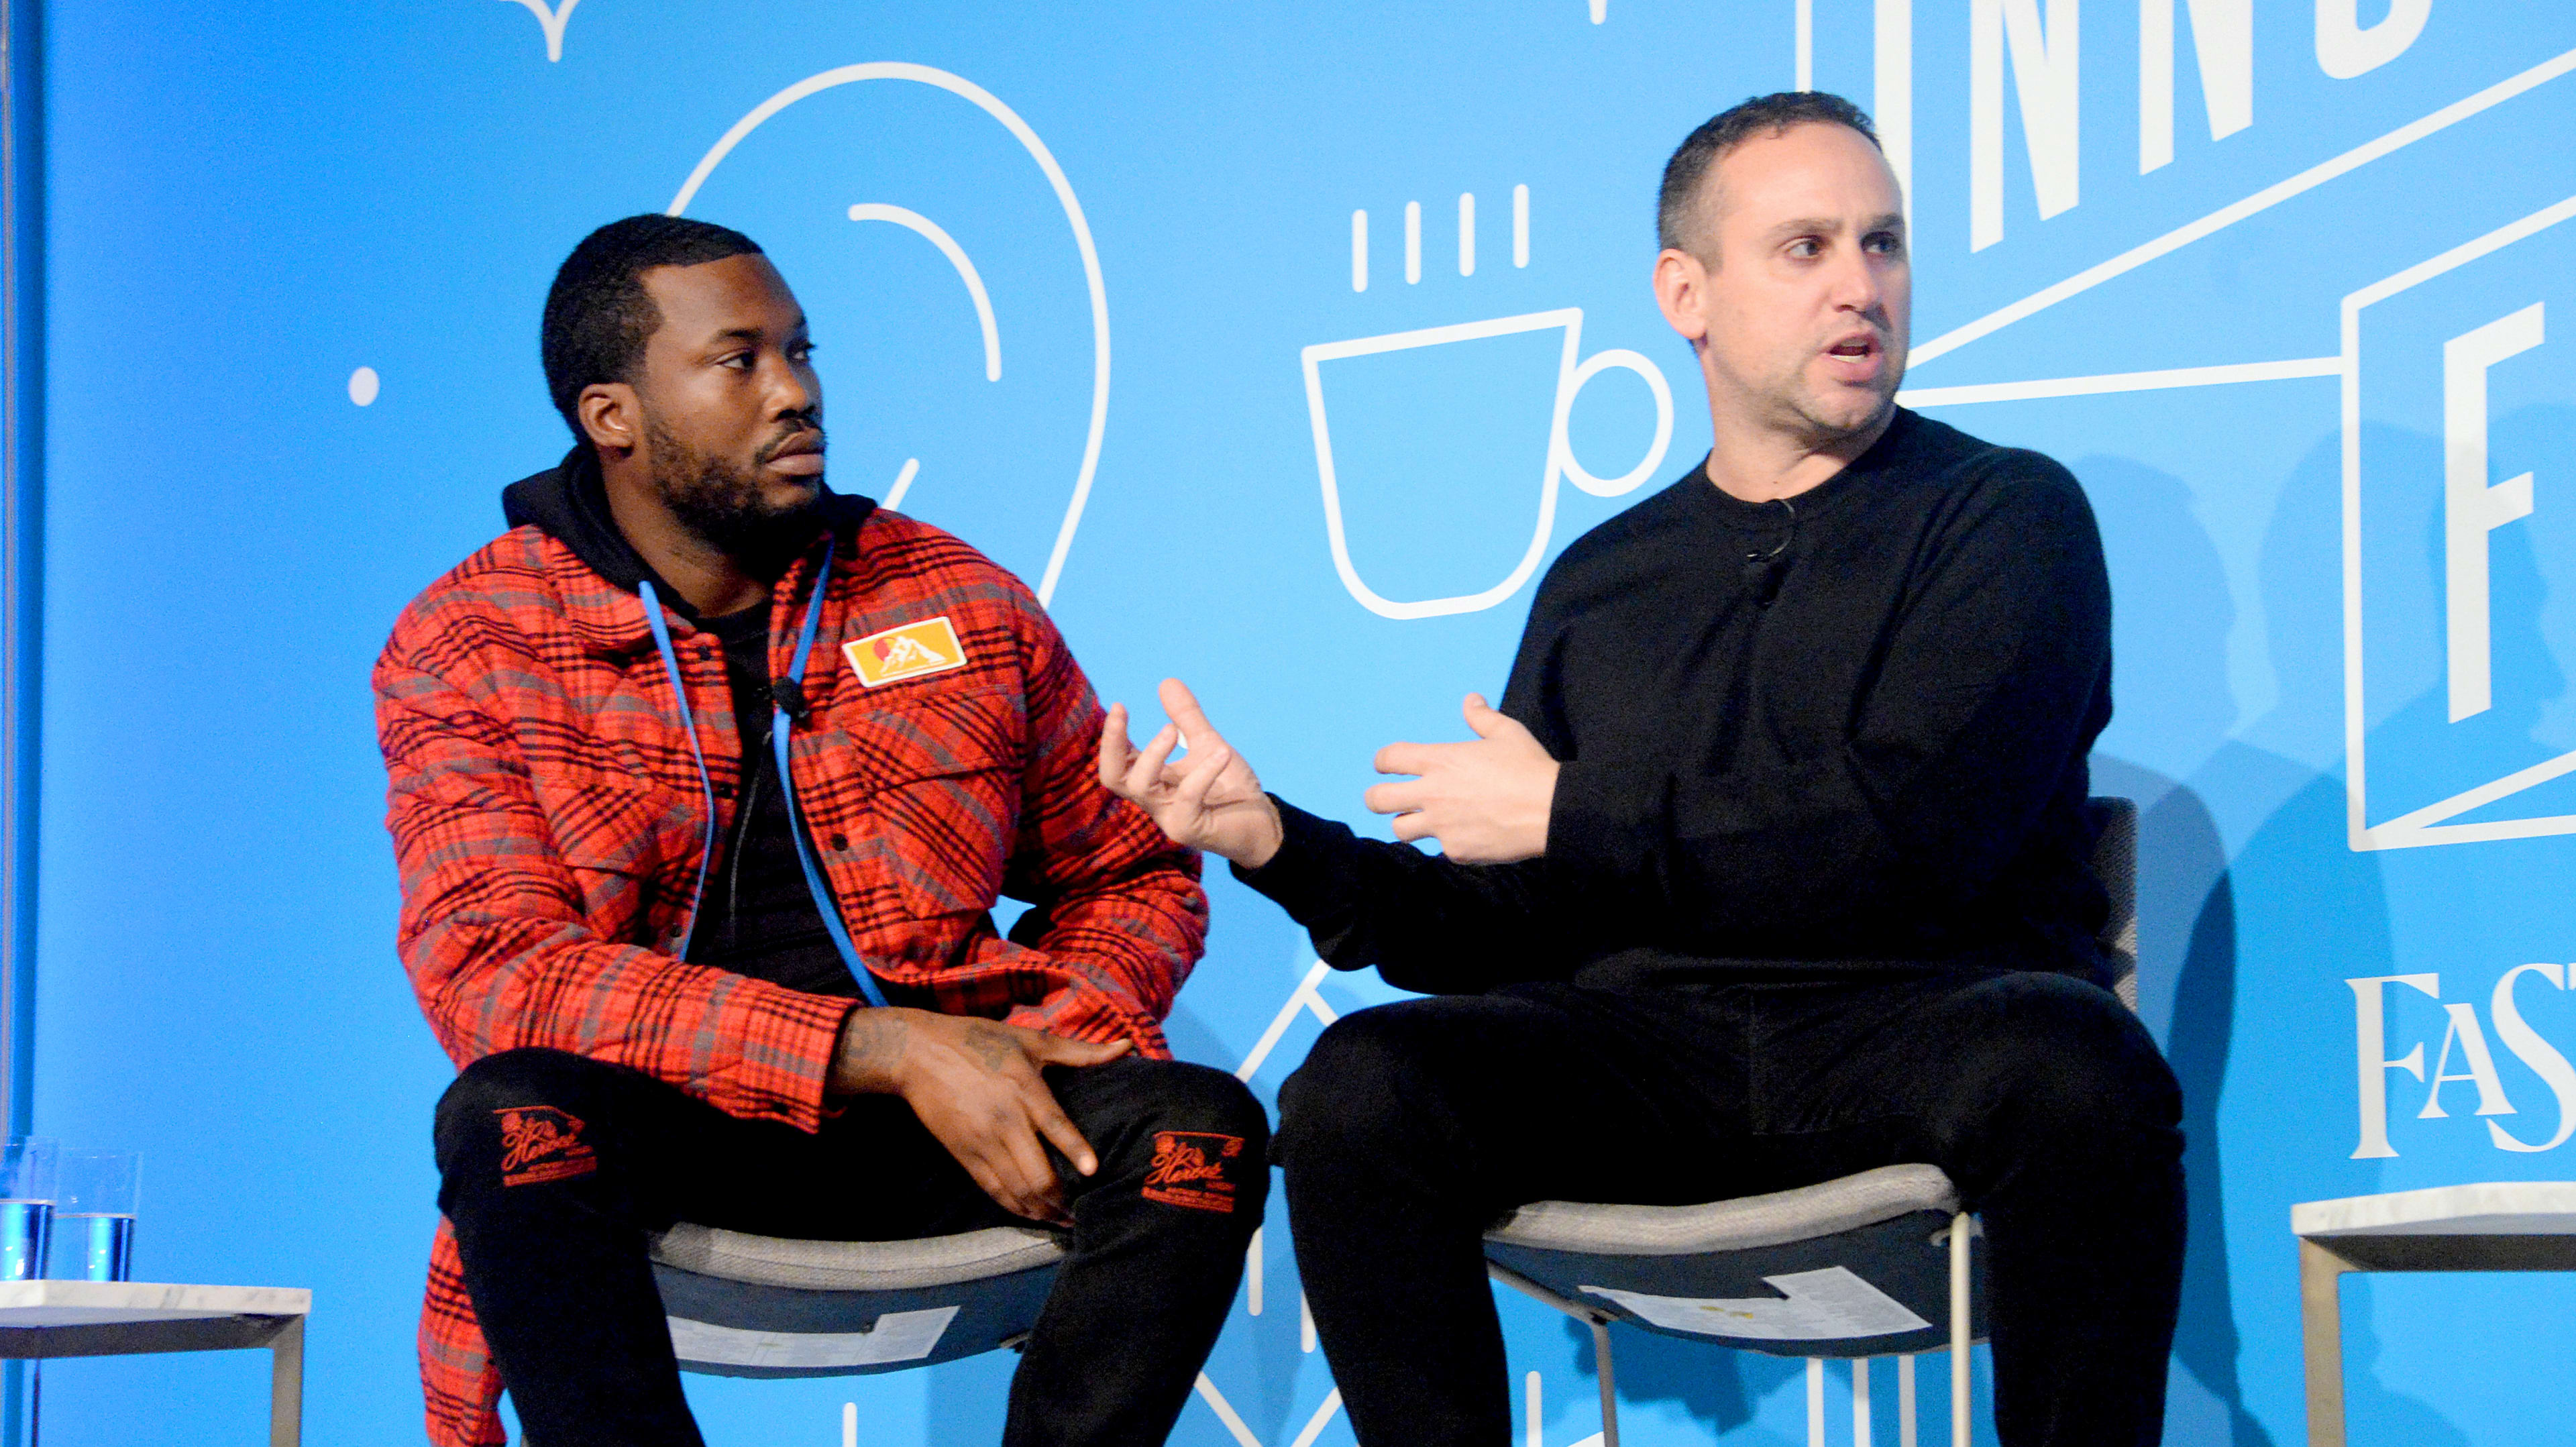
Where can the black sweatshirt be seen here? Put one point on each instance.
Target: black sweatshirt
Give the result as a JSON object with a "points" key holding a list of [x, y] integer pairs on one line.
{"points": [[756, 917], [1845, 732]]}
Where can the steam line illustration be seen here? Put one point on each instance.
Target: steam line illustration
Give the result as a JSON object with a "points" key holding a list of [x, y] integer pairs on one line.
{"points": [[1020, 130]]}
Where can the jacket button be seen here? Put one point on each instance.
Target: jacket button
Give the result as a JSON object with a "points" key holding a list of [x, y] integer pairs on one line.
{"points": [[840, 841]]}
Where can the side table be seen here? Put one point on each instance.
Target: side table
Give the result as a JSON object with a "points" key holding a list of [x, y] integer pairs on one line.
{"points": [[2496, 1226], [41, 1319]]}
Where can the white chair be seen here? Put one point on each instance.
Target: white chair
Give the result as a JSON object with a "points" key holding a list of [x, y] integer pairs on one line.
{"points": [[758, 1306], [1871, 1265], [2497, 1226]]}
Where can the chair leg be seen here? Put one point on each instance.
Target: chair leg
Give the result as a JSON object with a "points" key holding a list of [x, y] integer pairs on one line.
{"points": [[1905, 1431], [2321, 1328], [1815, 1402], [1959, 1330], [1609, 1391], [1860, 1402]]}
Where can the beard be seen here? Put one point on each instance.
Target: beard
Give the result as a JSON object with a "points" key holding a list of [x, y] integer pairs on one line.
{"points": [[724, 506]]}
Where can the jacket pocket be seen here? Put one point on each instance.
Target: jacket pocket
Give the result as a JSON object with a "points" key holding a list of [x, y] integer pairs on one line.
{"points": [[617, 832], [918, 802]]}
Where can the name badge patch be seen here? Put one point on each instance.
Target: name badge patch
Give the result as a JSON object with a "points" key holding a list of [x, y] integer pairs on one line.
{"points": [[910, 650]]}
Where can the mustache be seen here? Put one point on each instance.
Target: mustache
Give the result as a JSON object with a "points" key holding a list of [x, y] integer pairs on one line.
{"points": [[794, 427]]}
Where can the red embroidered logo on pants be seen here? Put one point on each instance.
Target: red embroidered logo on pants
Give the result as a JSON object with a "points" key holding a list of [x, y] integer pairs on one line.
{"points": [[1186, 1170], [540, 1143]]}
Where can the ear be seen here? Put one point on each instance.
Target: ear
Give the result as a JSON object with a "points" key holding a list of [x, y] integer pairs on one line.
{"points": [[1681, 289], [610, 413]]}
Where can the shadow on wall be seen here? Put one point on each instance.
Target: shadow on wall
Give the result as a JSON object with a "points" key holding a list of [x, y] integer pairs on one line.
{"points": [[2171, 617], [2306, 913], [2295, 911]]}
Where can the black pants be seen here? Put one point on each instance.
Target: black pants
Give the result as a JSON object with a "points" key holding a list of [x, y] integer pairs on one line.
{"points": [[1412, 1126], [552, 1234]]}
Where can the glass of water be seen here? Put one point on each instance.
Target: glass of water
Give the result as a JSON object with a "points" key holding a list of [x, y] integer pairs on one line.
{"points": [[94, 1213], [26, 1206]]}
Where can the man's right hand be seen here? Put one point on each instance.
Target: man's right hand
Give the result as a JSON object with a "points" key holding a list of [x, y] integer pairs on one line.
{"points": [[1210, 801], [975, 1086]]}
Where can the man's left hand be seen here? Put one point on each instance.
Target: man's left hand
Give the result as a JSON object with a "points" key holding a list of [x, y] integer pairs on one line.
{"points": [[1486, 802]]}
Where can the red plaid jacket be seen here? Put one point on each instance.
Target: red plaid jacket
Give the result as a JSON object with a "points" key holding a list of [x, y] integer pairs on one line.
{"points": [[547, 820]]}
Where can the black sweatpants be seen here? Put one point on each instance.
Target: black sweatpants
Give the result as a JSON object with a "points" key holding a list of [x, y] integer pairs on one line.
{"points": [[554, 1249], [1411, 1127]]}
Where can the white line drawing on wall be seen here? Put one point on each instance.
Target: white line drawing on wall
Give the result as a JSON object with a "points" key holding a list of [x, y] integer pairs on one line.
{"points": [[2263, 200], [1235, 1424], [902, 483], [1413, 238], [1304, 998], [1804, 24], [991, 105], [1560, 463], [553, 21], [2155, 381], [2426, 825], [1600, 11], [956, 254]]}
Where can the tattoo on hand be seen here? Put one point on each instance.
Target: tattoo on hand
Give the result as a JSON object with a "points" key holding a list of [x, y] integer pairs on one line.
{"points": [[872, 1038], [992, 1044]]}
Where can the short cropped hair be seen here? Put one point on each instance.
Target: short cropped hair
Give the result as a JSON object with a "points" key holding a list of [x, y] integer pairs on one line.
{"points": [[1680, 211], [598, 315]]}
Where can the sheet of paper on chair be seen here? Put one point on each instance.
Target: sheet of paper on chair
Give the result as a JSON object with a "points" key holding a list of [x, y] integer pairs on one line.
{"points": [[1827, 1305], [897, 1336]]}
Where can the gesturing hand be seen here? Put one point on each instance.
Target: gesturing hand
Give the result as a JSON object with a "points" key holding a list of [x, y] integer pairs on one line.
{"points": [[1486, 802], [1211, 800], [975, 1086]]}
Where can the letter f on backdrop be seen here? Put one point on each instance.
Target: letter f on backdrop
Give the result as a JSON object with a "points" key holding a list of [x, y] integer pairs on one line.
{"points": [[2471, 509], [2370, 1037]]}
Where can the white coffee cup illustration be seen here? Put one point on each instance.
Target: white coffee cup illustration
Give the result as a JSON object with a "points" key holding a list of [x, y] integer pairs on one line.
{"points": [[1561, 462]]}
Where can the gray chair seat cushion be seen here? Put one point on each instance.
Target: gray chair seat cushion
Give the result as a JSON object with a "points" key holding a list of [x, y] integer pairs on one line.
{"points": [[1808, 1212], [856, 1265]]}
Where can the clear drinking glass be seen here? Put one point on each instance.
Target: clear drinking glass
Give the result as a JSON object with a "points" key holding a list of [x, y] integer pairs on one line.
{"points": [[94, 1213], [26, 1206]]}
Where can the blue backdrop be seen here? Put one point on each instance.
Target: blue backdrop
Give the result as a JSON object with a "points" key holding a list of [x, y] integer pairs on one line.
{"points": [[1116, 295]]}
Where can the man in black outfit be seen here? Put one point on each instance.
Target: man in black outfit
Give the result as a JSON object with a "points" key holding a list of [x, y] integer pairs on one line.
{"points": [[1772, 866]]}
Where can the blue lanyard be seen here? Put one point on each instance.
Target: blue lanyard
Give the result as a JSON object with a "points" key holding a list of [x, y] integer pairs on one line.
{"points": [[778, 726]]}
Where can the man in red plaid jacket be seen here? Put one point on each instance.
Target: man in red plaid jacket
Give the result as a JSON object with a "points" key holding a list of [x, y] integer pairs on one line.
{"points": [[704, 782]]}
